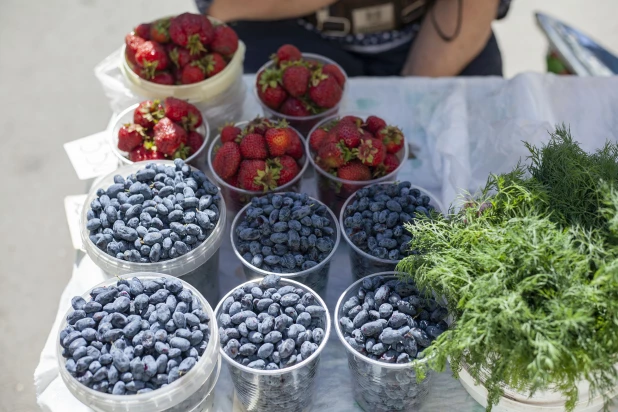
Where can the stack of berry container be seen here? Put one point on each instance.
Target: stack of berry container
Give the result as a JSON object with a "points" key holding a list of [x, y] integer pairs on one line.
{"points": [[235, 197], [379, 386], [303, 123], [197, 159], [362, 263], [199, 267], [290, 389], [315, 278], [220, 97], [193, 391], [334, 191]]}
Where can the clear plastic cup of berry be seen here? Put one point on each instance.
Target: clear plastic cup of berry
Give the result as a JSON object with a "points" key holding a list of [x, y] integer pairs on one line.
{"points": [[235, 197], [385, 341], [333, 190], [378, 240], [91, 384], [302, 123], [275, 368], [262, 253], [133, 248]]}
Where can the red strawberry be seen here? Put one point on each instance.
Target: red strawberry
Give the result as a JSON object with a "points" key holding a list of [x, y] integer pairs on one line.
{"points": [[333, 155], [257, 176], [233, 181], [195, 141], [269, 89], [354, 120], [130, 136], [179, 56], [192, 31], [227, 159], [294, 107], [278, 140], [152, 57], [141, 153], [159, 30], [213, 64], [148, 113], [371, 152], [325, 91], [287, 52], [349, 134], [225, 41], [259, 125], [288, 169], [143, 31], [132, 42], [229, 133], [296, 149], [316, 139], [392, 137], [334, 71], [354, 170], [182, 112], [168, 136], [391, 162], [192, 73], [253, 146], [163, 77], [374, 124], [296, 80]]}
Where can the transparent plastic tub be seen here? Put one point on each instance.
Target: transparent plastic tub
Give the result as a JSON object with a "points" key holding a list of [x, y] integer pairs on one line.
{"points": [[364, 264], [303, 123], [315, 278], [199, 267], [237, 198], [284, 390], [379, 386], [197, 159], [193, 392], [334, 191]]}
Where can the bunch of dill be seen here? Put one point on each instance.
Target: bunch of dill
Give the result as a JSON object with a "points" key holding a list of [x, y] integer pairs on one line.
{"points": [[529, 276]]}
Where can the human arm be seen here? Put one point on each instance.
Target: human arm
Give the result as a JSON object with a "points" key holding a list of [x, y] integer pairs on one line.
{"points": [[432, 56], [232, 10]]}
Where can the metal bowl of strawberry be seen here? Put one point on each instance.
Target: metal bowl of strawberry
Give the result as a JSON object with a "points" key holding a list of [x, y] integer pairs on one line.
{"points": [[253, 158], [302, 88], [189, 56], [153, 130], [352, 151]]}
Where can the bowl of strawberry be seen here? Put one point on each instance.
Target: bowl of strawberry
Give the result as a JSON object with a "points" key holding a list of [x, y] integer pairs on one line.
{"points": [[250, 159], [302, 88], [188, 56], [154, 129], [351, 152]]}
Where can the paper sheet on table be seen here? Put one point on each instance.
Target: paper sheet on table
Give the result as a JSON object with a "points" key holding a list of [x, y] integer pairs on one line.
{"points": [[464, 129]]}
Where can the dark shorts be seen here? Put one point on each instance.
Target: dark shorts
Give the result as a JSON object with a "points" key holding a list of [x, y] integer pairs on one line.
{"points": [[264, 38]]}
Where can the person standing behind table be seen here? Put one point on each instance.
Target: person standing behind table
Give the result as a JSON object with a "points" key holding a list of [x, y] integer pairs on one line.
{"points": [[372, 37]]}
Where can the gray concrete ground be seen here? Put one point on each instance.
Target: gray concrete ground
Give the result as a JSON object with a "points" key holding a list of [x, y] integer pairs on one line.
{"points": [[50, 96]]}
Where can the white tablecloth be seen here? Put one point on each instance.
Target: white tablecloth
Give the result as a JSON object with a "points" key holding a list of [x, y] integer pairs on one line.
{"points": [[461, 130]]}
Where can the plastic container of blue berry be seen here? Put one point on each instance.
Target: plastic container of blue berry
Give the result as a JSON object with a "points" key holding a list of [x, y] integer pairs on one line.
{"points": [[334, 191], [193, 391], [362, 263], [199, 267], [235, 197], [290, 389], [379, 386], [315, 278], [197, 159]]}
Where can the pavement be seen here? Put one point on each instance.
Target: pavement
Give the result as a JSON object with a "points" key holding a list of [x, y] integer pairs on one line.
{"points": [[49, 96]]}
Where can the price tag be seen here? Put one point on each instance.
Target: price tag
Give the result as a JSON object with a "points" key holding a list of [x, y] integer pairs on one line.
{"points": [[91, 156], [73, 207]]}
